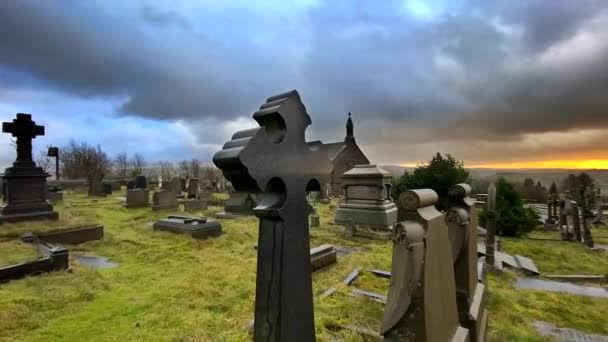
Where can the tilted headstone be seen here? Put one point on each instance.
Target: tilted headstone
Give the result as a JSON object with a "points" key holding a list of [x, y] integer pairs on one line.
{"points": [[421, 304], [164, 200], [95, 179], [24, 184], [275, 162], [576, 222], [461, 218], [367, 198]]}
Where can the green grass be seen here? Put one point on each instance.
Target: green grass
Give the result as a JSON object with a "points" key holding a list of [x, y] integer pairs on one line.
{"points": [[172, 288]]}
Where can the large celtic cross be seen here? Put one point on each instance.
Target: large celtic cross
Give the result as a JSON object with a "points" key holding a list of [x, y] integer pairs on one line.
{"points": [[276, 162], [24, 129]]}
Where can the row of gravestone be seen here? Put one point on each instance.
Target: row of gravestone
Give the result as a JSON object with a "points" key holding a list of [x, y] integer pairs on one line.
{"points": [[435, 292], [572, 218], [166, 198]]}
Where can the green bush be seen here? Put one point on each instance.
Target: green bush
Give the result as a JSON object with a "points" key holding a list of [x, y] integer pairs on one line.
{"points": [[439, 174], [512, 218]]}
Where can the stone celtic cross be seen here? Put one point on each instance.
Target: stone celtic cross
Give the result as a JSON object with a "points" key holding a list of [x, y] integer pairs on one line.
{"points": [[24, 129], [275, 162]]}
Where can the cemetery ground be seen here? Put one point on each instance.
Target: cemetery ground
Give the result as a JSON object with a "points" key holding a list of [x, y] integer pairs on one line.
{"points": [[173, 288]]}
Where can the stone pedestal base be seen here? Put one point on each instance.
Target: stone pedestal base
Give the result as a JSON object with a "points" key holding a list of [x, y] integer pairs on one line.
{"points": [[45, 215], [25, 192]]}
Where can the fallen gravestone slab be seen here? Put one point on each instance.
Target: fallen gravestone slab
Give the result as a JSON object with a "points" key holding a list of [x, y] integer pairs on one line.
{"points": [[381, 274], [51, 259], [198, 228], [565, 334], [328, 292], [322, 257], [372, 295], [514, 261], [352, 276], [555, 286], [73, 236]]}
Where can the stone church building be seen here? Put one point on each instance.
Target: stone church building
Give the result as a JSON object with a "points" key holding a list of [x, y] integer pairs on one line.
{"points": [[344, 155]]}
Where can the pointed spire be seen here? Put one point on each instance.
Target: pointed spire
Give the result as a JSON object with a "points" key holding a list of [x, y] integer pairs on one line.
{"points": [[350, 128]]}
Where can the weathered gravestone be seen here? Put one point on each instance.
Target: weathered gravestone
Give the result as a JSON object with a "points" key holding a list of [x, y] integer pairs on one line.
{"points": [[421, 304], [367, 199], [95, 179], [24, 184], [192, 189], [139, 196], [275, 162], [576, 220], [164, 200], [586, 216], [141, 182], [106, 188], [54, 193], [461, 218], [176, 185]]}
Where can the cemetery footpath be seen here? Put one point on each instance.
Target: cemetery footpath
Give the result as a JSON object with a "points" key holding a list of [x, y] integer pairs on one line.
{"points": [[170, 287]]}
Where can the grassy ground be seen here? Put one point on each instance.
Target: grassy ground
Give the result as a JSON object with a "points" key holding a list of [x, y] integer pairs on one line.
{"points": [[172, 288]]}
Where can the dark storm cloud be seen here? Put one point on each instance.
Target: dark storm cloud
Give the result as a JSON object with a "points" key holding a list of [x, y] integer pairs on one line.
{"points": [[482, 69], [159, 17], [85, 51]]}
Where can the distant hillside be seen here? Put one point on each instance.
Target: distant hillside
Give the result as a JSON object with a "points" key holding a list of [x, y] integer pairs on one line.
{"points": [[545, 176]]}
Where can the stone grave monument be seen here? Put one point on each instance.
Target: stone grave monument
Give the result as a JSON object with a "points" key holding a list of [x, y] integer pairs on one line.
{"points": [[95, 180], [164, 200], [192, 202], [461, 219], [138, 196], [275, 162], [198, 228], [421, 303], [576, 220], [192, 190], [586, 216], [367, 200], [24, 187]]}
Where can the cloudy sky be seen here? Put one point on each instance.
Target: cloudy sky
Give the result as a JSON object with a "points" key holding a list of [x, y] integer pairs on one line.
{"points": [[496, 83]]}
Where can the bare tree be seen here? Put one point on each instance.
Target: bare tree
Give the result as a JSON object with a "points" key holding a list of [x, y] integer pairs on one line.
{"points": [[184, 169], [78, 159], [195, 168], [167, 170], [137, 164], [43, 160], [121, 165]]}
